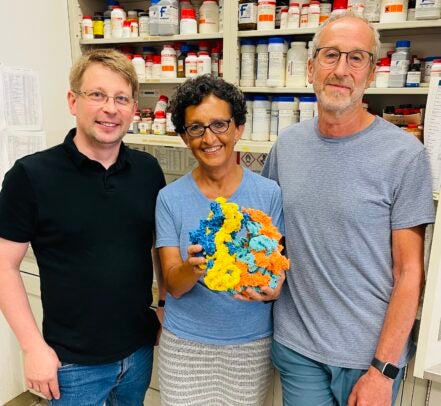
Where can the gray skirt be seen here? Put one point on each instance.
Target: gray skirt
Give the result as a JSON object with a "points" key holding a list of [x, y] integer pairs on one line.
{"points": [[192, 373]]}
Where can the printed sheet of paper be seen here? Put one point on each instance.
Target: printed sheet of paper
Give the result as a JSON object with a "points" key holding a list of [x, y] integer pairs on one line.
{"points": [[432, 130]]}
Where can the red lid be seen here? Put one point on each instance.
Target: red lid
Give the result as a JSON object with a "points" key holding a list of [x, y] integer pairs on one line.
{"points": [[293, 4], [203, 53], [114, 7], [437, 61], [215, 50], [340, 4], [87, 17], [384, 61], [204, 44], [162, 97], [137, 56], [412, 125], [126, 23], [149, 58], [188, 13], [157, 59], [160, 114]]}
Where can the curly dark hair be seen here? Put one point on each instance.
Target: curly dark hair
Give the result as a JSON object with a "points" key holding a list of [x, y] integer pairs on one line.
{"points": [[192, 91]]}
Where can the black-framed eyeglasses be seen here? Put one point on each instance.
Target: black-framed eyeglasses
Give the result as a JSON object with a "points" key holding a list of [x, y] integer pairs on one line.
{"points": [[217, 127], [98, 98], [357, 59]]}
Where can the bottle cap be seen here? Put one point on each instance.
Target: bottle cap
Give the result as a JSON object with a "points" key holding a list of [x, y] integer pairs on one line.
{"points": [[188, 13], [160, 114]]}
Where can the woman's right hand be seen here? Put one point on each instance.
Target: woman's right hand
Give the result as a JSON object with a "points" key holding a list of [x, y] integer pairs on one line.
{"points": [[193, 261]]}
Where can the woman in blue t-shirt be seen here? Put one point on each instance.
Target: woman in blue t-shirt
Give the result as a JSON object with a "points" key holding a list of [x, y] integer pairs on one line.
{"points": [[215, 348]]}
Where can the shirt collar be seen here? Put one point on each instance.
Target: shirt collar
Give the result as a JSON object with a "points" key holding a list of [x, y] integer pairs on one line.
{"points": [[81, 160]]}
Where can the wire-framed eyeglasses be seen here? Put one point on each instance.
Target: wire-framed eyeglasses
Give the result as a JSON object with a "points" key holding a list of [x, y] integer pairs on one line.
{"points": [[217, 127], [357, 59], [98, 98]]}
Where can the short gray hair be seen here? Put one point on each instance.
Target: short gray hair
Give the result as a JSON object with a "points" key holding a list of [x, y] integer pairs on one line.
{"points": [[349, 14]]}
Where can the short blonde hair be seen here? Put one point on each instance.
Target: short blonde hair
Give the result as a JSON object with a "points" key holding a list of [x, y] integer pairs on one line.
{"points": [[349, 14], [111, 59]]}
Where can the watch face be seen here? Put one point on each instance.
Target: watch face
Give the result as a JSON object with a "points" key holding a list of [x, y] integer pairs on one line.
{"points": [[391, 371]]}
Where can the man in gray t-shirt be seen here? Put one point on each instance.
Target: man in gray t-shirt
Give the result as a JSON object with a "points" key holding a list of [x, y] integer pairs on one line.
{"points": [[356, 198]]}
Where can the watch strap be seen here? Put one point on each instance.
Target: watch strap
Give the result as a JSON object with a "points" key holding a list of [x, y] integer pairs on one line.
{"points": [[161, 303], [388, 369]]}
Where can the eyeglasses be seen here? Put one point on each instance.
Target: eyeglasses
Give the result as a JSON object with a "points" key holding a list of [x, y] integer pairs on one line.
{"points": [[358, 59], [216, 127], [97, 98]]}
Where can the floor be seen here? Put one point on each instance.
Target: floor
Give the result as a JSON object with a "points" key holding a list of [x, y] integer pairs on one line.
{"points": [[29, 399]]}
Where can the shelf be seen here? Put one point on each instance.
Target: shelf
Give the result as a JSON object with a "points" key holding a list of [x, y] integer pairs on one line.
{"points": [[370, 90], [176, 141], [433, 373], [163, 81], [267, 89], [155, 38], [405, 25]]}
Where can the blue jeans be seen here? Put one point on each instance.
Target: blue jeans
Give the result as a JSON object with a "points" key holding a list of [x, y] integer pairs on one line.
{"points": [[306, 382], [121, 383]]}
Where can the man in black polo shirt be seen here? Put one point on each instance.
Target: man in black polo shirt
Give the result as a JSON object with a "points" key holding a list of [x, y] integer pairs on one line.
{"points": [[87, 207]]}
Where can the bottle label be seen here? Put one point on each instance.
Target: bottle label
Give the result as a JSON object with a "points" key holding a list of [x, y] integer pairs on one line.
{"points": [[168, 15], [247, 13]]}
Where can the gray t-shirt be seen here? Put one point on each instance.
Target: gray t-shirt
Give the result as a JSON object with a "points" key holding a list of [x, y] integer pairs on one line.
{"points": [[342, 197]]}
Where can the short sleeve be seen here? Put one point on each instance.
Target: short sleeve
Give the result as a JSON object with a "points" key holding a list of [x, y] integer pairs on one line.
{"points": [[270, 167], [166, 233], [18, 207], [413, 203]]}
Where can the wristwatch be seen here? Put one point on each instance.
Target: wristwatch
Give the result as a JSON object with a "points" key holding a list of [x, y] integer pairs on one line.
{"points": [[388, 369], [161, 303]]}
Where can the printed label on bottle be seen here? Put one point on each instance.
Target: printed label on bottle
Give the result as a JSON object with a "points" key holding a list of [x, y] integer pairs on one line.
{"points": [[247, 13]]}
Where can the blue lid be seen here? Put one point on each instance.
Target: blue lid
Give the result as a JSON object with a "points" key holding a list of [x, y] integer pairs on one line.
{"points": [[260, 98], [247, 42], [262, 41], [112, 3], [286, 98], [148, 49], [276, 40], [308, 99], [185, 48], [275, 98], [431, 58], [402, 44], [249, 97]]}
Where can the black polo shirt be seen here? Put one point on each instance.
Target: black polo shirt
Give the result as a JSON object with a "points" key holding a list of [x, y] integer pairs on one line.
{"points": [[91, 231]]}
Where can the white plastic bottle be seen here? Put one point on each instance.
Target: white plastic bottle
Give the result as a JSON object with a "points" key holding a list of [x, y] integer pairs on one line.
{"points": [[357, 7], [277, 60], [144, 24], [262, 62], [168, 62], [156, 68], [117, 18], [209, 17], [393, 11], [372, 11], [191, 65], [399, 64], [428, 9], [168, 18], [204, 63], [306, 106], [382, 73], [87, 27], [261, 118], [304, 14], [154, 17], [266, 14], [159, 123], [139, 65], [293, 15], [296, 61], [188, 23], [107, 28], [314, 14], [246, 135], [247, 63], [286, 107], [274, 120]]}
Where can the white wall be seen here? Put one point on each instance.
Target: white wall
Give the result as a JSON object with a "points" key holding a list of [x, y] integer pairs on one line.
{"points": [[35, 34]]}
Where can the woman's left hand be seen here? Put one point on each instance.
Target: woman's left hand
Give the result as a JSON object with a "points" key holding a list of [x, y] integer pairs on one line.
{"points": [[268, 294]]}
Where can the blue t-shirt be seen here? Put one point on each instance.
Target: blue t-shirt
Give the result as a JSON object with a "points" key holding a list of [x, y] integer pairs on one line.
{"points": [[203, 315], [342, 197]]}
